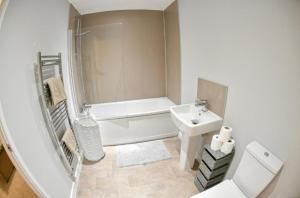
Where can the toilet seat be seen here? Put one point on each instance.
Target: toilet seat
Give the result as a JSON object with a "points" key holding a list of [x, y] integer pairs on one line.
{"points": [[225, 189]]}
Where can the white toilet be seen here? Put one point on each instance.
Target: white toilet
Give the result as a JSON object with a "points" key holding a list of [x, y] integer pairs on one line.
{"points": [[256, 170]]}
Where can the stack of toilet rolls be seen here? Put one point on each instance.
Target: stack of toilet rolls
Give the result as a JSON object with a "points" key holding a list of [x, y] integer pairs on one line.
{"points": [[223, 141]]}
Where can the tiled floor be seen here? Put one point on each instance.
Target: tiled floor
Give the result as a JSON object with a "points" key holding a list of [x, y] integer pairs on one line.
{"points": [[161, 179]]}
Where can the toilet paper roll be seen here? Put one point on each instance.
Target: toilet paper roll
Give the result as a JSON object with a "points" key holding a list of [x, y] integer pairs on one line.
{"points": [[216, 143], [227, 147], [225, 133]]}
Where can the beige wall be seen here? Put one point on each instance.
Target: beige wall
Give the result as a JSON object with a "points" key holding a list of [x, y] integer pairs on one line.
{"points": [[214, 93], [123, 55], [253, 47], [1, 4], [173, 53], [73, 15]]}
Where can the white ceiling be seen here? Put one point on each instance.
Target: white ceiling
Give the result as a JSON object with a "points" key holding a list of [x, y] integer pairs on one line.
{"points": [[92, 6]]}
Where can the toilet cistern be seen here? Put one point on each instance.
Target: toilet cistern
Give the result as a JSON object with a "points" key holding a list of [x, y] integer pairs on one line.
{"points": [[193, 126]]}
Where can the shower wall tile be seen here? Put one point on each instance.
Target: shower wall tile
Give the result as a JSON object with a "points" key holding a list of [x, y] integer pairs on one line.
{"points": [[214, 93], [173, 53], [123, 55]]}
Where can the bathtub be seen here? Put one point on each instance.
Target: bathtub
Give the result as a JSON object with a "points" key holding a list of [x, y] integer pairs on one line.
{"points": [[134, 121]]}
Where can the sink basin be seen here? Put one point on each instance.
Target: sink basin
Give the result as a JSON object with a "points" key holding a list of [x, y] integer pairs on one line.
{"points": [[192, 124], [188, 120]]}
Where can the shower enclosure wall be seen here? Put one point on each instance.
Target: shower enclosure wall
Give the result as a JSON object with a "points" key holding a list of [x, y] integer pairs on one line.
{"points": [[120, 61], [76, 69], [123, 54]]}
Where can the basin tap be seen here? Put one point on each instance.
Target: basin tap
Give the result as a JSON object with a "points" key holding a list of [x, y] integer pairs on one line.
{"points": [[202, 103]]}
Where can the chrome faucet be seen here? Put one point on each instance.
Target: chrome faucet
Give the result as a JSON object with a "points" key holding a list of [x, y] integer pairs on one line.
{"points": [[201, 103], [86, 108]]}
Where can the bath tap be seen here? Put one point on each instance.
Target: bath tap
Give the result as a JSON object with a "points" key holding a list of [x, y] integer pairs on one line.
{"points": [[86, 108]]}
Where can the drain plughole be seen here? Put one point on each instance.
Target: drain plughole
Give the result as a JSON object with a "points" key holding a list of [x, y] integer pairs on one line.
{"points": [[195, 121]]}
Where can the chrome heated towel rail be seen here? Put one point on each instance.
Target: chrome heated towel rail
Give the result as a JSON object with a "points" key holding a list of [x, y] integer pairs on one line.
{"points": [[56, 117]]}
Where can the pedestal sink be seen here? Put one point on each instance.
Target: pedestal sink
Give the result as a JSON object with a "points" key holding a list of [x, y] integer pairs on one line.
{"points": [[193, 123]]}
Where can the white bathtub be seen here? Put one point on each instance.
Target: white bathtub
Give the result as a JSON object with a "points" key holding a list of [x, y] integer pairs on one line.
{"points": [[134, 120]]}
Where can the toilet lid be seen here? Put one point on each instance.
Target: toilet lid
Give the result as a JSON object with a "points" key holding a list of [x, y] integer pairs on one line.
{"points": [[225, 189]]}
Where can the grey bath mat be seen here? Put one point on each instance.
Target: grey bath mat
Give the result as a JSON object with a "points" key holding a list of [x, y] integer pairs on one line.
{"points": [[141, 153]]}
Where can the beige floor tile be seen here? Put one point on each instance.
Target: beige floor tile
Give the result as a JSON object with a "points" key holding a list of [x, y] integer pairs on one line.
{"points": [[100, 193], [161, 179], [84, 193]]}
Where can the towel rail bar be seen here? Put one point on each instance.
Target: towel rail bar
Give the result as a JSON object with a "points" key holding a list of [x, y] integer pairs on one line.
{"points": [[50, 56], [60, 124], [61, 120], [58, 118], [50, 60], [50, 64], [58, 112], [58, 115]]}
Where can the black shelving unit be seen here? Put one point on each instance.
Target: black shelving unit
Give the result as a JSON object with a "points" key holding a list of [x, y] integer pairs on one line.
{"points": [[212, 169]]}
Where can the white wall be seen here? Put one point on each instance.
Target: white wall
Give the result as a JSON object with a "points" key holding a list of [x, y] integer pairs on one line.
{"points": [[28, 27], [252, 46]]}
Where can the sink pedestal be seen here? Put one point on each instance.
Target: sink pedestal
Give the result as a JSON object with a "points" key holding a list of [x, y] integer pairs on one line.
{"points": [[190, 145]]}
